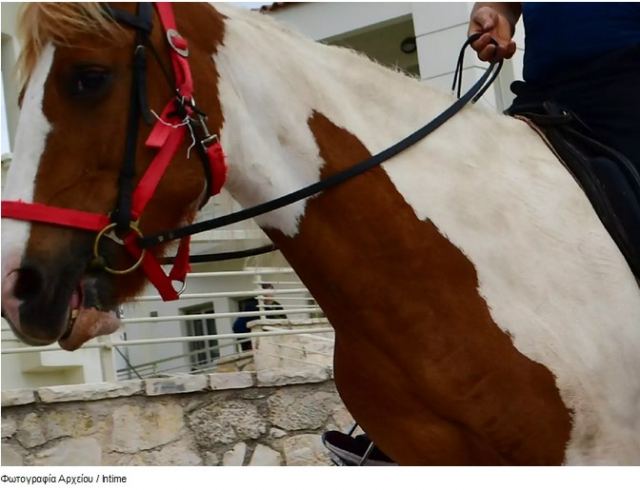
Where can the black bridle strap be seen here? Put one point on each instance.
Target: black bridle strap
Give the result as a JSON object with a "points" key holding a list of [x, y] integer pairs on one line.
{"points": [[331, 181], [220, 256], [142, 23]]}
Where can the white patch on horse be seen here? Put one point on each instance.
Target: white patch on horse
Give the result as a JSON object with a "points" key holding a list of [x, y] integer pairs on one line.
{"points": [[548, 270], [31, 137], [270, 149]]}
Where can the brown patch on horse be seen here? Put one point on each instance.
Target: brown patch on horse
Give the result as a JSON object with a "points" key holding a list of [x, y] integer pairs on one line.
{"points": [[81, 170], [419, 361]]}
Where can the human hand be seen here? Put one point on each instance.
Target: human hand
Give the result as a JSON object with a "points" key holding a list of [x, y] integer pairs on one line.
{"points": [[491, 24]]}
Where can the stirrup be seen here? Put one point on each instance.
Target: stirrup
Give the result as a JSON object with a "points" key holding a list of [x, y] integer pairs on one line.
{"points": [[346, 450]]}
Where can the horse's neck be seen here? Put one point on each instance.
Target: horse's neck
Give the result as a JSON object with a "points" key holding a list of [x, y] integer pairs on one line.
{"points": [[271, 84]]}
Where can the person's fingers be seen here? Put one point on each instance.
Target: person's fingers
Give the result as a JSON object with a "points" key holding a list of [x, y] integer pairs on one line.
{"points": [[504, 51], [481, 43], [497, 52], [488, 53], [510, 51], [494, 29]]}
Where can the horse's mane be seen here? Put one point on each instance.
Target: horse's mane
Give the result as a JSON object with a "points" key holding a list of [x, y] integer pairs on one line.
{"points": [[41, 23]]}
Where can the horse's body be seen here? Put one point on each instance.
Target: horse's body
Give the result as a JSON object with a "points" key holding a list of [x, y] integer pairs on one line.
{"points": [[483, 315]]}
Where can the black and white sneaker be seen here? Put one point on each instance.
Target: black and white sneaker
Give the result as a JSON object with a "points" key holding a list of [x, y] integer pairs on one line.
{"points": [[350, 451]]}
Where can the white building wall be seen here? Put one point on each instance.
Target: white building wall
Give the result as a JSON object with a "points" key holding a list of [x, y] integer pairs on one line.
{"points": [[324, 20]]}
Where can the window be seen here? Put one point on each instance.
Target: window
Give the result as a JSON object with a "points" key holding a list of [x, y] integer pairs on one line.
{"points": [[204, 353]]}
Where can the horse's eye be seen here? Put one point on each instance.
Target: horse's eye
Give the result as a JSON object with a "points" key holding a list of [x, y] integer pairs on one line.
{"points": [[89, 81]]}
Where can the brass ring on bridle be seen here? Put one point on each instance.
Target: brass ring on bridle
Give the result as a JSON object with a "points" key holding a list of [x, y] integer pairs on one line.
{"points": [[133, 226]]}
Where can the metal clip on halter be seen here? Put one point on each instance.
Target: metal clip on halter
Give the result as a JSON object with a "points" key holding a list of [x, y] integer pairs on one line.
{"points": [[209, 139], [201, 121]]}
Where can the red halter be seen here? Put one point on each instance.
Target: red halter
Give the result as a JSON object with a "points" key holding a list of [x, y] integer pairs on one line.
{"points": [[166, 139]]}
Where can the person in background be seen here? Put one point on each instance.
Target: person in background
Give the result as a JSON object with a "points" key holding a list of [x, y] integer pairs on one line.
{"points": [[240, 324]]}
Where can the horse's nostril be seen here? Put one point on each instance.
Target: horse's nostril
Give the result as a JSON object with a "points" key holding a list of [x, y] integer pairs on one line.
{"points": [[28, 283]]}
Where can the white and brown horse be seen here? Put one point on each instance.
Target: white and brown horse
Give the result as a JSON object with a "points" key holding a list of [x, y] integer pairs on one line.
{"points": [[483, 315]]}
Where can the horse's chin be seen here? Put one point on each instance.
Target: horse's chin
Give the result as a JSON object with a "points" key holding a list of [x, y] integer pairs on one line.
{"points": [[87, 323], [86, 318]]}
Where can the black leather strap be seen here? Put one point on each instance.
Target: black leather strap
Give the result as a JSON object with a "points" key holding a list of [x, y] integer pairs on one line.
{"points": [[143, 21], [137, 105], [220, 256]]}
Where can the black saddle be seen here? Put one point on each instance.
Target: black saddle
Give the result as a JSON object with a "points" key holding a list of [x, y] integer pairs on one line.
{"points": [[609, 179]]}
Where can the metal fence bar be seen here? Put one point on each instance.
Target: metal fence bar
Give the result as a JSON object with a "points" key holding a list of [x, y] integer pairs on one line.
{"points": [[234, 294], [308, 336], [169, 340], [240, 273], [187, 354], [204, 316]]}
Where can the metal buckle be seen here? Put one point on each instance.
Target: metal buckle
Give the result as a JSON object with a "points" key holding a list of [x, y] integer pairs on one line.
{"points": [[107, 232], [171, 34], [183, 286]]}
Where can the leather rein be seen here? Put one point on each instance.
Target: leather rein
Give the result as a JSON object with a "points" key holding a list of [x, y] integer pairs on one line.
{"points": [[180, 118]]}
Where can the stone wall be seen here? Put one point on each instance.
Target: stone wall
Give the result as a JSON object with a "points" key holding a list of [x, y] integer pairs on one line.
{"points": [[218, 419]]}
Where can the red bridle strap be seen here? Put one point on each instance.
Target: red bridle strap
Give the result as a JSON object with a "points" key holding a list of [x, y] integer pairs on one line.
{"points": [[181, 69], [42, 213]]}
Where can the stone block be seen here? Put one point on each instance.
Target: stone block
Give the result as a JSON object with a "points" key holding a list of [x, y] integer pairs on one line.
{"points": [[137, 428], [231, 381], [30, 431], [187, 383], [265, 456], [301, 409], [342, 419], [9, 427], [305, 450], [88, 392], [11, 457], [179, 453], [12, 398], [76, 421], [287, 376], [235, 456], [84, 451], [276, 433], [225, 422], [211, 459]]}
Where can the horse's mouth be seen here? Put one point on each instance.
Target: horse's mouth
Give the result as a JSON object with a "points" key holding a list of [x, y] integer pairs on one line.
{"points": [[87, 318], [75, 303]]}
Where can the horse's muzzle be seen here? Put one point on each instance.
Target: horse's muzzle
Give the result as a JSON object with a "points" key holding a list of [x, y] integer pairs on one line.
{"points": [[44, 303], [35, 309]]}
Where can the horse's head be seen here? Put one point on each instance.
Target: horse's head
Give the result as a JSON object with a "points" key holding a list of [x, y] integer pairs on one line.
{"points": [[69, 152]]}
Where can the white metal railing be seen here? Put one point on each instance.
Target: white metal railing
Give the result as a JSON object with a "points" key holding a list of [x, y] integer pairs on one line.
{"points": [[313, 324], [155, 367], [109, 342], [213, 316]]}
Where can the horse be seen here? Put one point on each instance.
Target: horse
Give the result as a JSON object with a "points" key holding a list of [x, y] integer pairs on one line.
{"points": [[482, 313]]}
